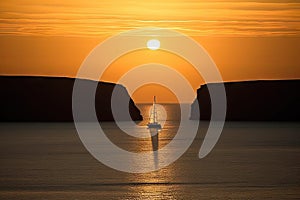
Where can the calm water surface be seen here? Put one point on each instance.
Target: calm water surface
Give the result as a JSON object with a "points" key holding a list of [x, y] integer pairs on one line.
{"points": [[252, 160]]}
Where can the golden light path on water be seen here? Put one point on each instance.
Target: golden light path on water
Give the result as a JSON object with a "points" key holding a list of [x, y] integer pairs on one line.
{"points": [[150, 185]]}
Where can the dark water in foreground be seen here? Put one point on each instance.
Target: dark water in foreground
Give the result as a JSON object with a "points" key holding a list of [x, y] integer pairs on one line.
{"points": [[252, 160]]}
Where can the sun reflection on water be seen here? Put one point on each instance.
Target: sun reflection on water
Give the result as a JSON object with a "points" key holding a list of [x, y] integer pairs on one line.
{"points": [[151, 185]]}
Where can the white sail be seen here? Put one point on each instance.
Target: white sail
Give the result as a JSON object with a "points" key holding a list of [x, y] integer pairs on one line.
{"points": [[153, 122], [153, 113]]}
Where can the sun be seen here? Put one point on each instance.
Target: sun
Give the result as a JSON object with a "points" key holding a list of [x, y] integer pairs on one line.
{"points": [[153, 44]]}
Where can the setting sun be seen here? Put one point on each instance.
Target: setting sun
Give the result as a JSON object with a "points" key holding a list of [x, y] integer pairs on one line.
{"points": [[153, 44]]}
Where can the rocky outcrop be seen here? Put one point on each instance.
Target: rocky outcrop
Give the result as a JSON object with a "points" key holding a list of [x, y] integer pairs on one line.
{"points": [[49, 99], [263, 100]]}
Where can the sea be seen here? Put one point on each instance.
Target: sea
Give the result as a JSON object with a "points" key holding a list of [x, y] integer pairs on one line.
{"points": [[251, 160]]}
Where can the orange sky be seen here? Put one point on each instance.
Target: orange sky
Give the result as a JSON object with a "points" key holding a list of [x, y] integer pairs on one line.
{"points": [[247, 40]]}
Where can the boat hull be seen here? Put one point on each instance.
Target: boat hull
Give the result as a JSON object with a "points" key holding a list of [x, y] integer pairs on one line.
{"points": [[154, 125]]}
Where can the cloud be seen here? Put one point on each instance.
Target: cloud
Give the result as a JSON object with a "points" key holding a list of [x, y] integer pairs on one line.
{"points": [[94, 18]]}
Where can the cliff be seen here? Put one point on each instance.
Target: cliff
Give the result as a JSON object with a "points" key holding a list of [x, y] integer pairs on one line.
{"points": [[268, 100], [49, 99]]}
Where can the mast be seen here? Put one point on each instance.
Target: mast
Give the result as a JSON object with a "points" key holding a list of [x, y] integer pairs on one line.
{"points": [[154, 110]]}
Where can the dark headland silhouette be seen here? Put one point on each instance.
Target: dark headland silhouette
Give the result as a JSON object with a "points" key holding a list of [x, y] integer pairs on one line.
{"points": [[263, 100], [49, 99]]}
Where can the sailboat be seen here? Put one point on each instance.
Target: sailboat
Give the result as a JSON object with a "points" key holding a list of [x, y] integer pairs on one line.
{"points": [[153, 117]]}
